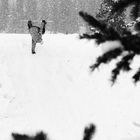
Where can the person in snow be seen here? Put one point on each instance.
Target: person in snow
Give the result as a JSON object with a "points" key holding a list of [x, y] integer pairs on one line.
{"points": [[36, 33]]}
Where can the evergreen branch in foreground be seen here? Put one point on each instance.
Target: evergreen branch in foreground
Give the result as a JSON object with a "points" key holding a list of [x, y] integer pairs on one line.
{"points": [[136, 76], [92, 21], [89, 132], [106, 57], [124, 65]]}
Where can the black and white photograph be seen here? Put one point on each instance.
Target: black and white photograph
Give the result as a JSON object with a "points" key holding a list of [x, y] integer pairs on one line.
{"points": [[69, 69]]}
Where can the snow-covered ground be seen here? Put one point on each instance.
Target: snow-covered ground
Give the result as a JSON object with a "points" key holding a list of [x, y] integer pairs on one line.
{"points": [[55, 91]]}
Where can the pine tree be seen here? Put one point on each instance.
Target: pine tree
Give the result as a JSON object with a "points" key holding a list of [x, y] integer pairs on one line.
{"points": [[104, 15], [121, 5], [130, 45]]}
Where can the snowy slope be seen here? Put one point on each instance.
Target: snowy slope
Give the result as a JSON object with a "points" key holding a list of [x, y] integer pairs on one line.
{"points": [[55, 91]]}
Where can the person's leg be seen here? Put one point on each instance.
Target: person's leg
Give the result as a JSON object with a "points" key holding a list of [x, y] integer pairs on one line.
{"points": [[33, 46]]}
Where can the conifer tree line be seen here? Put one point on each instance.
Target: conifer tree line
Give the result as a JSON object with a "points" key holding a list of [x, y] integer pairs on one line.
{"points": [[105, 16], [111, 31], [62, 15]]}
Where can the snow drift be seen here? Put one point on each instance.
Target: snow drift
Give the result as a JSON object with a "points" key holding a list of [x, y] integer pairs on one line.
{"points": [[55, 91]]}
